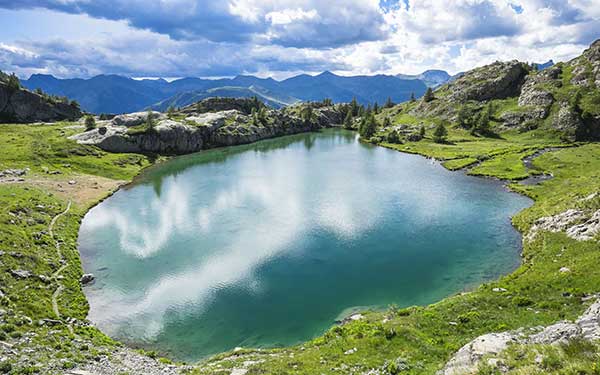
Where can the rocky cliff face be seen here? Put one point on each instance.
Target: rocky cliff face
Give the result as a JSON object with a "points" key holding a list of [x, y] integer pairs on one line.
{"points": [[564, 98], [23, 106], [190, 131], [496, 81]]}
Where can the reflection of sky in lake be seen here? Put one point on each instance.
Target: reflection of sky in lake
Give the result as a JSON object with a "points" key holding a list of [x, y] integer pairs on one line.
{"points": [[214, 224]]}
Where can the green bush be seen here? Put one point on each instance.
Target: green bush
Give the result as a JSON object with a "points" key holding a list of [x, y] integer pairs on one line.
{"points": [[5, 367], [90, 123], [522, 301]]}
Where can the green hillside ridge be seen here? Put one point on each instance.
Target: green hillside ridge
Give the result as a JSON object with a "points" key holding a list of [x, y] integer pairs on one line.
{"points": [[41, 267]]}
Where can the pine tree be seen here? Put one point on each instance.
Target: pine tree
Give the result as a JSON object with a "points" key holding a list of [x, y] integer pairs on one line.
{"points": [[354, 107], [348, 120], [262, 115], [13, 82], [255, 102], [389, 103], [482, 125], [150, 124], [440, 133], [368, 126], [254, 117], [308, 116], [199, 107], [170, 111], [412, 97], [464, 118], [386, 122], [376, 108], [422, 131], [90, 123], [393, 137], [428, 95]]}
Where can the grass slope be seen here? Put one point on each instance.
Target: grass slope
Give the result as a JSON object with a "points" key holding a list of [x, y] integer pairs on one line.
{"points": [[408, 340]]}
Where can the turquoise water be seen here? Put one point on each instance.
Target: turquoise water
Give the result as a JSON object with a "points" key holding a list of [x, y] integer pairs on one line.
{"points": [[267, 244]]}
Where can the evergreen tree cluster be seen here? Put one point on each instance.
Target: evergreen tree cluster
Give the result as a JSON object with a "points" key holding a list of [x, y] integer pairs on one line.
{"points": [[476, 121]]}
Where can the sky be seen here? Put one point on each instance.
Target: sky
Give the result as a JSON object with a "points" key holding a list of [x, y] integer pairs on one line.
{"points": [[224, 38]]}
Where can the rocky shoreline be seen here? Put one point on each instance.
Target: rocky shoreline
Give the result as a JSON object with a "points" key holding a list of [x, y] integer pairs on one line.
{"points": [[192, 128]]}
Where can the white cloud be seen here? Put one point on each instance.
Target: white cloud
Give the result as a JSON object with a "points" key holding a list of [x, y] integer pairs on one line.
{"points": [[290, 36]]}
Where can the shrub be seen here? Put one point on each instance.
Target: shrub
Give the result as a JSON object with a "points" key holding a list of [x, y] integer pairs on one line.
{"points": [[522, 301], [150, 124], [90, 123], [5, 367], [428, 95], [440, 133], [171, 111], [368, 126], [13, 82], [349, 120], [393, 137]]}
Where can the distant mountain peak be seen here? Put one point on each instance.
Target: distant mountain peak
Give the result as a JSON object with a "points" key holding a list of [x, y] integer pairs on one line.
{"points": [[327, 73]]}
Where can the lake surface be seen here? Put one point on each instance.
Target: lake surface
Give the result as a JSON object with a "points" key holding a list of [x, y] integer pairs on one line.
{"points": [[268, 244]]}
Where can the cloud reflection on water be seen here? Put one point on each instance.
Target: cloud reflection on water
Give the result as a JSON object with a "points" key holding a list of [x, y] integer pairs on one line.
{"points": [[285, 213]]}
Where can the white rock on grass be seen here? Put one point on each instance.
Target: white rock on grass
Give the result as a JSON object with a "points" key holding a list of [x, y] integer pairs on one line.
{"points": [[467, 359]]}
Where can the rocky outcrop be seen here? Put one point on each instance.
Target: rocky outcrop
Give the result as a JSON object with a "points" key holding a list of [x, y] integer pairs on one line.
{"points": [[495, 81], [586, 70], [568, 121], [522, 118], [200, 131], [24, 106], [215, 120], [168, 137], [466, 360], [136, 118], [469, 357], [586, 231], [535, 91]]}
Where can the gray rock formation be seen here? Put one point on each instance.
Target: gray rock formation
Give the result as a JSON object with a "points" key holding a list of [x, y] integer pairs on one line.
{"points": [[136, 118], [168, 137], [586, 231], [495, 81], [578, 224], [468, 358], [24, 106], [586, 70], [205, 130], [568, 121]]}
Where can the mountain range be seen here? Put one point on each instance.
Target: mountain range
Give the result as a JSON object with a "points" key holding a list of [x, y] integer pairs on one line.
{"points": [[119, 94]]}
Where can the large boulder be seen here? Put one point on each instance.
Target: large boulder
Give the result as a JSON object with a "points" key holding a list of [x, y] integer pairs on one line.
{"points": [[24, 106], [568, 121]]}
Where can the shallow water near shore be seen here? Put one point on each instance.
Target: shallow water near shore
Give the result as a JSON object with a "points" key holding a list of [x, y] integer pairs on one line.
{"points": [[267, 244]]}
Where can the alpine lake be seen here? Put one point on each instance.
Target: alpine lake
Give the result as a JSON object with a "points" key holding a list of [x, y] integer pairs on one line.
{"points": [[268, 244]]}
